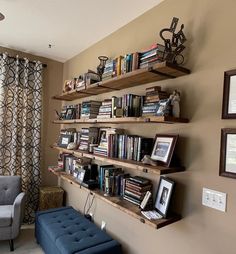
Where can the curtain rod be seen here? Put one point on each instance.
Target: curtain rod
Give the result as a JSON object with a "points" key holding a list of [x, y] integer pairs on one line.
{"points": [[22, 59]]}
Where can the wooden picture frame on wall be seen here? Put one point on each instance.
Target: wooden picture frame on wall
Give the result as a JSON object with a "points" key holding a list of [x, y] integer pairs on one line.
{"points": [[228, 153], [229, 95]]}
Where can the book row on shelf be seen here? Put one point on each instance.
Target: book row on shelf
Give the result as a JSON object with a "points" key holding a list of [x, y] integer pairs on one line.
{"points": [[109, 179], [118, 66], [155, 103], [107, 141]]}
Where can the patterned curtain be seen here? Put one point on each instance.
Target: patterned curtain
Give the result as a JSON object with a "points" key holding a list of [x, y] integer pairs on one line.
{"points": [[20, 125]]}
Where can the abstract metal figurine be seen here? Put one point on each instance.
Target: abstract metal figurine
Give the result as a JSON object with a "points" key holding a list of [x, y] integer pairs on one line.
{"points": [[101, 66], [174, 46]]}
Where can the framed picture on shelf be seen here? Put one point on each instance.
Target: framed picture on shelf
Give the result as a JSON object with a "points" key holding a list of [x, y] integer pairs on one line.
{"points": [[164, 193], [64, 140], [163, 148], [69, 85], [102, 139], [70, 113], [228, 153], [229, 95]]}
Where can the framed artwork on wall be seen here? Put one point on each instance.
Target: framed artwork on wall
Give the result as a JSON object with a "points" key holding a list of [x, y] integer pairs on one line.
{"points": [[228, 153], [229, 95]]}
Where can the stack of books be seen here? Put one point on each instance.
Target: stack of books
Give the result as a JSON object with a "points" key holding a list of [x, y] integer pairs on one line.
{"points": [[135, 189], [104, 141], [151, 56], [105, 109], [90, 109], [108, 71], [151, 101], [129, 147], [88, 136]]}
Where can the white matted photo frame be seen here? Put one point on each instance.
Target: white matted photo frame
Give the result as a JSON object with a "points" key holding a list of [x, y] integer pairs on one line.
{"points": [[163, 148], [228, 153], [164, 193]]}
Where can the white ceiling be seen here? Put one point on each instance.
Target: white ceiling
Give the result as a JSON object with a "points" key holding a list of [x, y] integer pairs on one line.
{"points": [[70, 26]]}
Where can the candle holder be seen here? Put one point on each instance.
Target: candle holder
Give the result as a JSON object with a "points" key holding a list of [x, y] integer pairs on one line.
{"points": [[101, 66]]}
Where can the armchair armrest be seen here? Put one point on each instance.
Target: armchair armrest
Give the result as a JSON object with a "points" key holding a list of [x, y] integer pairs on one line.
{"points": [[18, 213]]}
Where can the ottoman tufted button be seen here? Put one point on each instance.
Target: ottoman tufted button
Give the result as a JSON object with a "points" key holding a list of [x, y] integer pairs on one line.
{"points": [[77, 240], [69, 233], [59, 221], [77, 223], [91, 235]]}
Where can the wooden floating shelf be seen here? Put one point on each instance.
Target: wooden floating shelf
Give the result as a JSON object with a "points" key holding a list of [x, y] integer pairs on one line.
{"points": [[120, 203], [159, 170], [121, 120], [157, 72]]}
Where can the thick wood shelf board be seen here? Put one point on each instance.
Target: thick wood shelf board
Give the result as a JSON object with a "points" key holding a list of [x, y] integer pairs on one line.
{"points": [[159, 170], [157, 72], [121, 120], [120, 203]]}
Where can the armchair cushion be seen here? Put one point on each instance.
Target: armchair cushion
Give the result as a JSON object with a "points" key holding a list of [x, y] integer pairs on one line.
{"points": [[5, 215], [10, 187]]}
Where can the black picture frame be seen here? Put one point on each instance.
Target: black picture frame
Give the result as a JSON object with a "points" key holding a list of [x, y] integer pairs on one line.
{"points": [[64, 140], [164, 194], [70, 113], [163, 148], [229, 96], [227, 166]]}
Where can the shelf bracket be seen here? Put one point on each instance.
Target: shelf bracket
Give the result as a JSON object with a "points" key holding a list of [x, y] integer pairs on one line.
{"points": [[145, 170], [150, 69], [142, 220]]}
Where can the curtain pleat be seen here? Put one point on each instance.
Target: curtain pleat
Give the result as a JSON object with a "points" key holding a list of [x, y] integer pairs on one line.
{"points": [[20, 125]]}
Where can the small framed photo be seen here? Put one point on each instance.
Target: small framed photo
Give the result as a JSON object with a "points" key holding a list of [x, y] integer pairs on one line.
{"points": [[164, 148], [228, 153], [70, 113], [229, 95], [164, 192], [69, 85], [64, 140]]}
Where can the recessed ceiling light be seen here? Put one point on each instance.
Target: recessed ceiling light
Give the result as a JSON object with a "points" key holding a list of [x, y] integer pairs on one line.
{"points": [[2, 17]]}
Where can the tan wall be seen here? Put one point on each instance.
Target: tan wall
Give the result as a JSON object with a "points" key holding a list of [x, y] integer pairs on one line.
{"points": [[210, 29], [52, 80]]}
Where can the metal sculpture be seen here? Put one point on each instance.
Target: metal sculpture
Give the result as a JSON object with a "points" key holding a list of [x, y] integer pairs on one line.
{"points": [[174, 46]]}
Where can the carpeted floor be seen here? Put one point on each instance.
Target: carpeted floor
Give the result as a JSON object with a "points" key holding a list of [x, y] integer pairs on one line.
{"points": [[24, 244]]}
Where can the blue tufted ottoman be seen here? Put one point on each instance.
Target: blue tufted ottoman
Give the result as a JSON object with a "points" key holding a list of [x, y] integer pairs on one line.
{"points": [[66, 231]]}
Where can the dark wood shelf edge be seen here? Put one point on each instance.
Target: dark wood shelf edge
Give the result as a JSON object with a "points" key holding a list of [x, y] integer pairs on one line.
{"points": [[126, 120], [105, 86], [157, 224], [160, 170]]}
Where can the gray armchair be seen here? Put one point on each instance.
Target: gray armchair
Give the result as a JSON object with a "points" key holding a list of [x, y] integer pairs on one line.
{"points": [[12, 202]]}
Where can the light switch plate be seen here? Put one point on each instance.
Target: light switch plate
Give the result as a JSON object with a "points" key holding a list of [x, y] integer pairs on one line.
{"points": [[214, 199]]}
